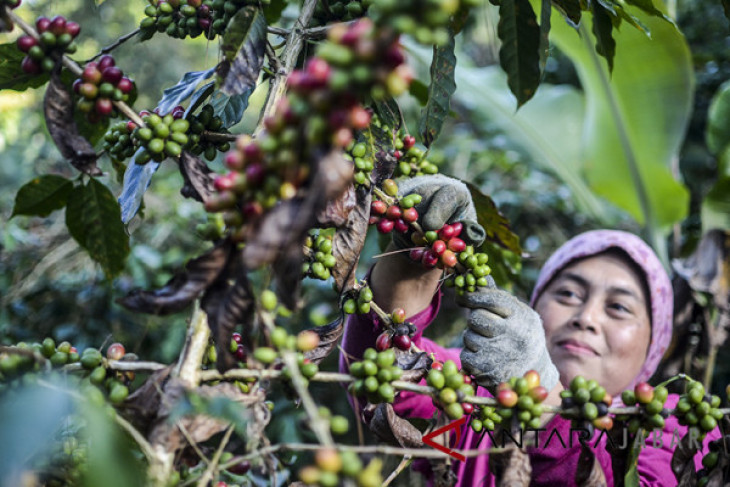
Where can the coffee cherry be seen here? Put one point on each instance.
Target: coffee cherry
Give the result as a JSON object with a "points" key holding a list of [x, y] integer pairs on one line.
{"points": [[402, 341], [384, 341], [115, 351]]}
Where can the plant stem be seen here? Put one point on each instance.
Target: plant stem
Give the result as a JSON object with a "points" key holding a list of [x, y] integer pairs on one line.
{"points": [[294, 44], [114, 45], [196, 345]]}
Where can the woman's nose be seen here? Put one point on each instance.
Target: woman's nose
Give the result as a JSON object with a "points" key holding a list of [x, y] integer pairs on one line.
{"points": [[587, 317]]}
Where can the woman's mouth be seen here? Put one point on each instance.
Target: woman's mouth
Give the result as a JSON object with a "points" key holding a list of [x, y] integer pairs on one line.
{"points": [[577, 347]]}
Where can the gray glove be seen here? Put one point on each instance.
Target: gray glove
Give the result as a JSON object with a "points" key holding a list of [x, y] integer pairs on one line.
{"points": [[444, 200], [504, 339]]}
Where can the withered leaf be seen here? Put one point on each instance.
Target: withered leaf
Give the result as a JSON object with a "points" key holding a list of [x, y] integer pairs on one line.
{"points": [[708, 268], [236, 308], [589, 472], [142, 406], [243, 47], [412, 361], [288, 274], [510, 466], [284, 228], [349, 240], [384, 167], [443, 473], [329, 336], [182, 289], [494, 222], [197, 177], [336, 212], [393, 429], [682, 463], [58, 107]]}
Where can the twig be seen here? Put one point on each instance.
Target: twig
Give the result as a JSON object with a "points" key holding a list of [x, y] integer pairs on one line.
{"points": [[294, 44], [273, 58], [401, 466], [72, 66], [314, 33], [208, 474], [117, 43], [196, 345], [319, 426], [218, 137]]}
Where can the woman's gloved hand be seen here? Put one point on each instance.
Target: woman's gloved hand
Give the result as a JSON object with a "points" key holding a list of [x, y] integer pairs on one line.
{"points": [[505, 338], [444, 200]]}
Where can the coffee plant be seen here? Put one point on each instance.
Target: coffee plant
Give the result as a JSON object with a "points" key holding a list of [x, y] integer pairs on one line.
{"points": [[293, 198]]}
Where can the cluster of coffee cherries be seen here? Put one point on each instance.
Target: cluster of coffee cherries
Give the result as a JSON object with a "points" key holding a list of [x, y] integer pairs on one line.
{"points": [[339, 11], [412, 160], [117, 383], [451, 386], [650, 401], [398, 335], [319, 259], [282, 340], [487, 418], [204, 121], [362, 157], [100, 84], [239, 352], [13, 365], [359, 301], [520, 400], [182, 18], [65, 462], [56, 38], [441, 248], [330, 465], [586, 404], [321, 110], [339, 425], [474, 272], [697, 409], [118, 141], [162, 137], [394, 214], [428, 24], [374, 374]]}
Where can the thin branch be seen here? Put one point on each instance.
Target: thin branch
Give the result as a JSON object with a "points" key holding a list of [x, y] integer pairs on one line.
{"points": [[294, 45], [196, 345], [117, 43], [208, 474], [401, 466], [218, 137], [315, 33]]}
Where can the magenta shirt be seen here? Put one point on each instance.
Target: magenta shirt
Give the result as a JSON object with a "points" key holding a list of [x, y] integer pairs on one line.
{"points": [[551, 465]]}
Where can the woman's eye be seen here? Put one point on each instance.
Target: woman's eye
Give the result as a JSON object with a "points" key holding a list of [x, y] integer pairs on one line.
{"points": [[619, 307], [566, 294]]}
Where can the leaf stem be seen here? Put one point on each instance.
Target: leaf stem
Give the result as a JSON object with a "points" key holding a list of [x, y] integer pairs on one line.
{"points": [[114, 45]]}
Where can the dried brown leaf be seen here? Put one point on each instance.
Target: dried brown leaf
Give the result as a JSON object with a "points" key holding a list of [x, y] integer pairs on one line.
{"points": [[510, 466], [337, 211], [683, 464], [443, 473], [393, 429], [412, 361], [182, 289], [197, 177], [329, 336], [384, 167], [589, 472], [142, 406], [58, 107], [349, 240]]}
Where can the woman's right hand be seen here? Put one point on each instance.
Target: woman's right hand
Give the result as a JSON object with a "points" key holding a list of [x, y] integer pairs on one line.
{"points": [[505, 338]]}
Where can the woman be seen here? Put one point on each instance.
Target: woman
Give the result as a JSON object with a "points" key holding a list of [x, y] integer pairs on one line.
{"points": [[603, 307]]}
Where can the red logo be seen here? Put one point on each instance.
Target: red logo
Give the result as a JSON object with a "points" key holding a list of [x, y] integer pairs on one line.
{"points": [[455, 425]]}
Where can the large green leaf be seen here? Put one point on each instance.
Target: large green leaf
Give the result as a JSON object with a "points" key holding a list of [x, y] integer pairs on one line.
{"points": [[42, 195], [718, 120], [602, 30], [631, 132], [440, 90], [519, 55], [12, 77], [570, 9], [94, 220]]}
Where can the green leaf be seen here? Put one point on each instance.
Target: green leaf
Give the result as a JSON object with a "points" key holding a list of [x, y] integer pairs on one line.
{"points": [[519, 55], [545, 13], [648, 7], [137, 179], [440, 90], [631, 477], [716, 206], [570, 10], [602, 27], [419, 91], [93, 218], [12, 76], [229, 108], [243, 47], [42, 196], [177, 94], [718, 120], [389, 112], [495, 224], [625, 157], [273, 10]]}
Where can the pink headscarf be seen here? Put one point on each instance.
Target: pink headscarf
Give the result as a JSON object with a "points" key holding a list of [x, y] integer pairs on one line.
{"points": [[658, 283]]}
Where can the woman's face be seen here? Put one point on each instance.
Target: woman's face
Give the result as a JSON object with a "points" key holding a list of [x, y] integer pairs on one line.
{"points": [[596, 321]]}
